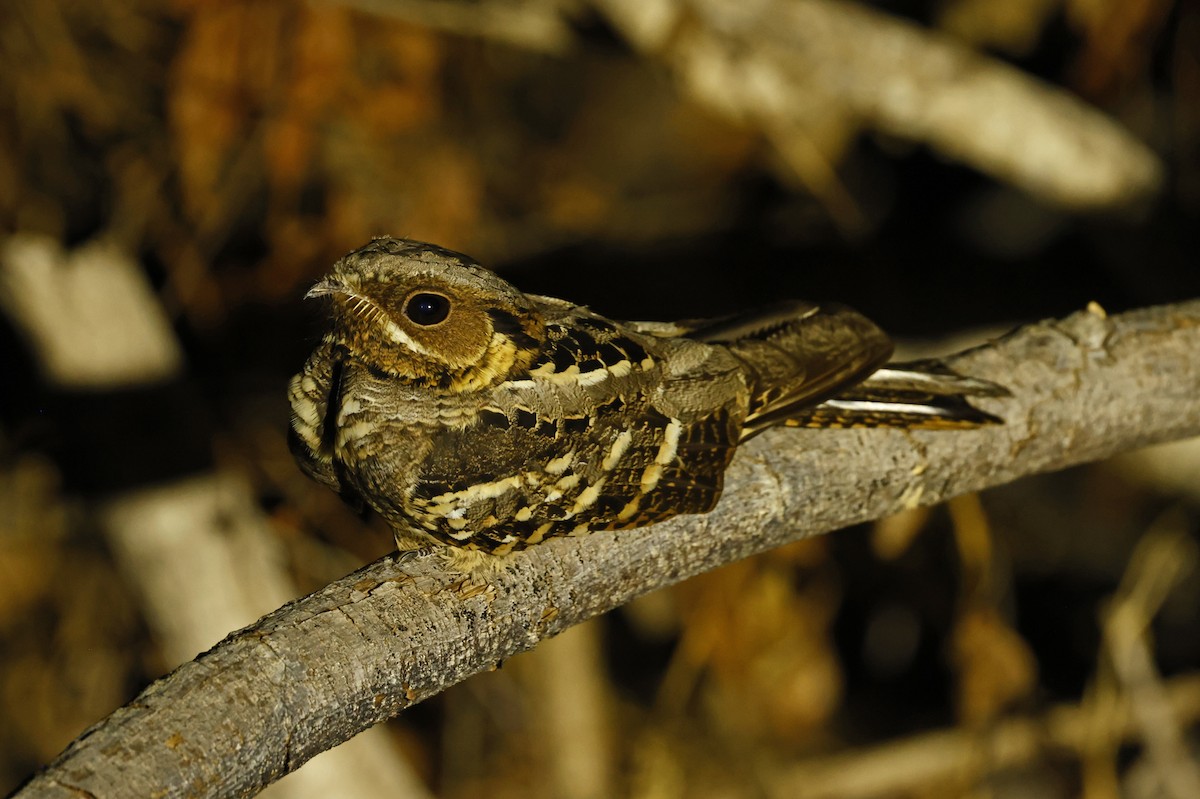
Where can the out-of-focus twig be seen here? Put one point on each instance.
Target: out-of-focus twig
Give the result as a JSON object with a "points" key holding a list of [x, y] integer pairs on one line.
{"points": [[1173, 467], [575, 704], [961, 756], [1164, 556], [810, 74], [537, 25], [794, 67], [89, 316]]}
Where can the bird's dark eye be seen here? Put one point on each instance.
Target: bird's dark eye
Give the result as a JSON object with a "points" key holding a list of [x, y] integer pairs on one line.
{"points": [[427, 309]]}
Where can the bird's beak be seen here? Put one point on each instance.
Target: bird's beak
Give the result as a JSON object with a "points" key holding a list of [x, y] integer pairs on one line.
{"points": [[326, 286]]}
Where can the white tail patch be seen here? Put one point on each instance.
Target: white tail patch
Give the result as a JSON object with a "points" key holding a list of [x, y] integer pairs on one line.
{"points": [[887, 373], [883, 407]]}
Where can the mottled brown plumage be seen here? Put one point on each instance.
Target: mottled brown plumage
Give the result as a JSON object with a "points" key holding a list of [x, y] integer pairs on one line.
{"points": [[470, 414]]}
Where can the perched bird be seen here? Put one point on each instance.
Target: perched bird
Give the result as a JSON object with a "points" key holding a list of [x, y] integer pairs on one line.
{"points": [[470, 414]]}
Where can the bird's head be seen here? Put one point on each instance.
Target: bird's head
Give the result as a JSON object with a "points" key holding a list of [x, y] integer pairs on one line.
{"points": [[423, 314]]}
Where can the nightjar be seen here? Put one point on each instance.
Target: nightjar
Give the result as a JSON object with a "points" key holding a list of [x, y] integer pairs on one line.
{"points": [[470, 414]]}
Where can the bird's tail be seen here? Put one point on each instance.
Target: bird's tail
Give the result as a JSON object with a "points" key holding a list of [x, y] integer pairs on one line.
{"points": [[922, 395], [809, 365]]}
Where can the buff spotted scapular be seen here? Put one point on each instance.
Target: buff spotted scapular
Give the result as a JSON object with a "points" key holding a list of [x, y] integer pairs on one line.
{"points": [[472, 415]]}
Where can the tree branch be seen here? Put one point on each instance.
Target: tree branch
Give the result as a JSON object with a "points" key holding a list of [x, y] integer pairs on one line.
{"points": [[797, 69], [319, 670]]}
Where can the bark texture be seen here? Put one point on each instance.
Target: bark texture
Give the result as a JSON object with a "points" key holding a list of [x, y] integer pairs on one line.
{"points": [[319, 670]]}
